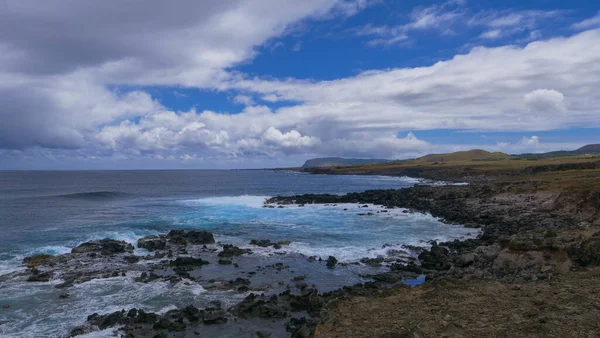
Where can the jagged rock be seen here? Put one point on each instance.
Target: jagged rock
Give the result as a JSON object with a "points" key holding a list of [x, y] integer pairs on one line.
{"points": [[410, 267], [375, 262], [214, 316], [331, 262], [301, 328], [586, 252], [255, 306], [37, 260], [232, 251], [152, 243], [436, 258], [190, 237], [105, 246], [38, 276]]}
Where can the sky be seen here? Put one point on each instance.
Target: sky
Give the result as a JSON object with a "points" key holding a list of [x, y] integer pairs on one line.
{"points": [[186, 84]]}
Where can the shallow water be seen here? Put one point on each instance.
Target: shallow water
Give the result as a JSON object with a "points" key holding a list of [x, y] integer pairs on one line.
{"points": [[52, 212]]}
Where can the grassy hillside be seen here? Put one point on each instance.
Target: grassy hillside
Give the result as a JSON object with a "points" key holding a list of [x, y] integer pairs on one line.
{"points": [[339, 162], [470, 155]]}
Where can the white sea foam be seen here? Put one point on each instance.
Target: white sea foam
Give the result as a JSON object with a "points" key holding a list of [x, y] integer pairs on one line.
{"points": [[251, 201]]}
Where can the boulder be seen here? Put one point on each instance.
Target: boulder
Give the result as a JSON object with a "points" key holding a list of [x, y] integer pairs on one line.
{"points": [[105, 246], [152, 243], [436, 258], [586, 252], [190, 237], [331, 262]]}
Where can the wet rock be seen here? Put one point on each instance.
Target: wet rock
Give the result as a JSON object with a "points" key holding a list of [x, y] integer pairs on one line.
{"points": [[214, 316], [436, 258], [331, 262], [375, 262], [232, 251], [410, 267], [152, 243], [37, 260], [77, 332], [301, 328], [263, 334], [255, 306], [190, 237], [188, 262], [131, 259], [262, 242], [38, 276], [299, 278], [133, 316], [267, 243], [64, 296], [309, 301], [147, 278], [105, 246], [225, 262]]}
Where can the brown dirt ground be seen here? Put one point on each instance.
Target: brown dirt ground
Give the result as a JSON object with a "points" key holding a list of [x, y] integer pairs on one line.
{"points": [[565, 306]]}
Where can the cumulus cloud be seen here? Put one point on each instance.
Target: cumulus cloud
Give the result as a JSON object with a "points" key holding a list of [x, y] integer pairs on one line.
{"points": [[291, 139], [58, 58], [481, 90], [545, 101], [59, 82]]}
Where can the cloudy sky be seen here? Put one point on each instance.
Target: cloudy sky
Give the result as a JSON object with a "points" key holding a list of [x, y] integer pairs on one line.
{"points": [[93, 84]]}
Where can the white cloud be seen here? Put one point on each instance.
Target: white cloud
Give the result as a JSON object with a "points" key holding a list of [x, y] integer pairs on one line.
{"points": [[486, 89], [491, 34], [449, 16], [545, 101], [243, 99], [58, 57], [291, 139], [588, 23], [56, 89], [439, 16], [494, 89]]}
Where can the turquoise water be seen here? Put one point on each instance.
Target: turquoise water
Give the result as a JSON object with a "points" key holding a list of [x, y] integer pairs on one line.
{"points": [[52, 212]]}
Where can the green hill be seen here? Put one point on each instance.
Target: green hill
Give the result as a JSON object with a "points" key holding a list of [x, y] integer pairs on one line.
{"points": [[339, 162], [589, 149], [470, 155]]}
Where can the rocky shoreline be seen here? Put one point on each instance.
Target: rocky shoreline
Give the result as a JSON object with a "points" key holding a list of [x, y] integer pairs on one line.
{"points": [[532, 237], [277, 297]]}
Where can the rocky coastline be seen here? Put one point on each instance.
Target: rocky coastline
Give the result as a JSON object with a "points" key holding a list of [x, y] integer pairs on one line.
{"points": [[532, 238]]}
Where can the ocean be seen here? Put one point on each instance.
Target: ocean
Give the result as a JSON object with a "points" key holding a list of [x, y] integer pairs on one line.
{"points": [[52, 212]]}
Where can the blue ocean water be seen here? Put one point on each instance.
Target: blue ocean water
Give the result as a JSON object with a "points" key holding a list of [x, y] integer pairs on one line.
{"points": [[52, 212]]}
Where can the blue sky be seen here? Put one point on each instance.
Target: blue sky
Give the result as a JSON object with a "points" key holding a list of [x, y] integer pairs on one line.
{"points": [[233, 85]]}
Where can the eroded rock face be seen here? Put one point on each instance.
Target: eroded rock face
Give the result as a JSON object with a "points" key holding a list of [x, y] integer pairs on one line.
{"points": [[586, 252], [105, 246]]}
